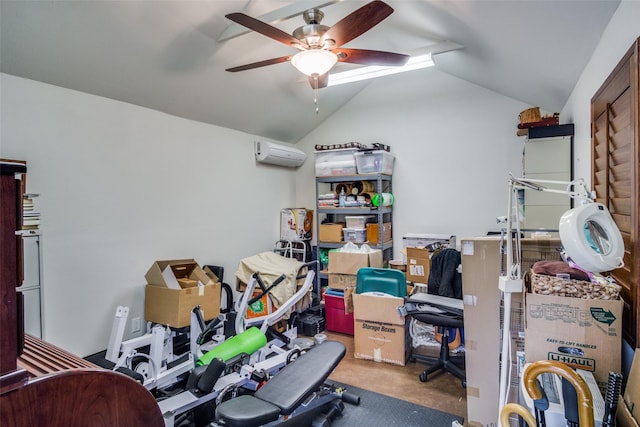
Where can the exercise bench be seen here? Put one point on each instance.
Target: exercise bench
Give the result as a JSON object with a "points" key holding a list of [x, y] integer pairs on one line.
{"points": [[297, 390]]}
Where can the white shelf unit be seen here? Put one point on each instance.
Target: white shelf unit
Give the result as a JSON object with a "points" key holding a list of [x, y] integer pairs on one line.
{"points": [[31, 287]]}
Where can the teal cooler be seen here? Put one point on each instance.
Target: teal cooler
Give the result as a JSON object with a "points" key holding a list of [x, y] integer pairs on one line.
{"points": [[337, 319], [385, 280]]}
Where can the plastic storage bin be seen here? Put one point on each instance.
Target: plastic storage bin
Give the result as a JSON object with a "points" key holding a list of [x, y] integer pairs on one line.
{"points": [[378, 161], [336, 162], [355, 235], [337, 319], [356, 221]]}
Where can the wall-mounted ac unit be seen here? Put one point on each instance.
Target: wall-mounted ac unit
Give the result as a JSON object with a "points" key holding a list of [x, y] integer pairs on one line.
{"points": [[277, 154]]}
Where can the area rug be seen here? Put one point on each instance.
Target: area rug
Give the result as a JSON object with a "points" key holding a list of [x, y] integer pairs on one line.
{"points": [[378, 410]]}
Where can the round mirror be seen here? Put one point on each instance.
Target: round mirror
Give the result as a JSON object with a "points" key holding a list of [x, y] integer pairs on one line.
{"points": [[597, 237]]}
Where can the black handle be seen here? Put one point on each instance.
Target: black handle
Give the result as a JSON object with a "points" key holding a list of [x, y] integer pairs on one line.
{"points": [[543, 403], [265, 290], [350, 398], [570, 397], [611, 399]]}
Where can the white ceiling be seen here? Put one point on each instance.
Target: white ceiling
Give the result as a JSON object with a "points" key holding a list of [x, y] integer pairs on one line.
{"points": [[167, 55]]}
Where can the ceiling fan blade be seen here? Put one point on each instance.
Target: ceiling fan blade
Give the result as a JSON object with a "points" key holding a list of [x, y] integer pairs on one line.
{"points": [[260, 64], [320, 82], [266, 30], [358, 22], [370, 57]]}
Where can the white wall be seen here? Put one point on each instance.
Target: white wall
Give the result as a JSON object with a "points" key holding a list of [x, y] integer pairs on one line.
{"points": [[454, 145], [616, 40], [122, 186]]}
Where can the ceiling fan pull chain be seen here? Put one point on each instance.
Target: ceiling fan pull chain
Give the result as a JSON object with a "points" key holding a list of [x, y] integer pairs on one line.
{"points": [[315, 93]]}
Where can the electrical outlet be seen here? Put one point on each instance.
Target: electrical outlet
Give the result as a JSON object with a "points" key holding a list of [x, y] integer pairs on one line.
{"points": [[135, 325]]}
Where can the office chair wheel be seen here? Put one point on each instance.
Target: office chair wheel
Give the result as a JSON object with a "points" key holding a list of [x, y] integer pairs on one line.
{"points": [[423, 377]]}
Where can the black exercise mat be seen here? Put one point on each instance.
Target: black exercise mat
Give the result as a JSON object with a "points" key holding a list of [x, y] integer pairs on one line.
{"points": [[378, 410]]}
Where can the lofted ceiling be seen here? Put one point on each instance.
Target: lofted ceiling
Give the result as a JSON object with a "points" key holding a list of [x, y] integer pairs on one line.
{"points": [[171, 56]]}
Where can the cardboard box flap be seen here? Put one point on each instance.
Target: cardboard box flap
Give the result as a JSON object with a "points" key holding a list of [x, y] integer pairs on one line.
{"points": [[156, 276], [183, 271], [166, 273], [211, 274], [631, 393], [374, 308], [624, 417]]}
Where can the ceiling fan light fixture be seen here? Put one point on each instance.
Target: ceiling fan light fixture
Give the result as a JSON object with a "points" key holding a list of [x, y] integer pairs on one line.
{"points": [[314, 61]]}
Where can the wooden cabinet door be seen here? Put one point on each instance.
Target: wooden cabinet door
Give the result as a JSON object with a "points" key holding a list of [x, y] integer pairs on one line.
{"points": [[615, 174]]}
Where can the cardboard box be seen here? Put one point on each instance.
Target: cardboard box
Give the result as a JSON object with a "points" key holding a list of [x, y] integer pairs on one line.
{"points": [[170, 273], [331, 232], [624, 418], [418, 265], [343, 267], [341, 281], [380, 333], [373, 234], [582, 333], [172, 307], [168, 303], [346, 283], [351, 262], [631, 395], [481, 266], [296, 224]]}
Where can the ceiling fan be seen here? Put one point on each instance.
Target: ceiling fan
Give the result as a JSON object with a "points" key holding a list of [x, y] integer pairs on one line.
{"points": [[321, 46]]}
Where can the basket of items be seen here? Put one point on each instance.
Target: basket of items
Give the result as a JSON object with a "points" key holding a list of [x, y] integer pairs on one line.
{"points": [[560, 279], [530, 115]]}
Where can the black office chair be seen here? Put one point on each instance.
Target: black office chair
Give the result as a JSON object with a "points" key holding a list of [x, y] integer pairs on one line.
{"points": [[441, 307]]}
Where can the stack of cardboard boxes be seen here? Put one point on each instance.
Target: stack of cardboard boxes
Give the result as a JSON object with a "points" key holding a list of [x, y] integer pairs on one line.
{"points": [[343, 267], [380, 333]]}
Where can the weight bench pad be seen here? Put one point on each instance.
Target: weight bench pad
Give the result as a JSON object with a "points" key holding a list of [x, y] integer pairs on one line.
{"points": [[246, 410], [282, 394], [305, 374]]}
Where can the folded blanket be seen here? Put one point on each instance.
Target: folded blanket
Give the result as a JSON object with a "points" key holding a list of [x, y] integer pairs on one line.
{"points": [[553, 268], [270, 266]]}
